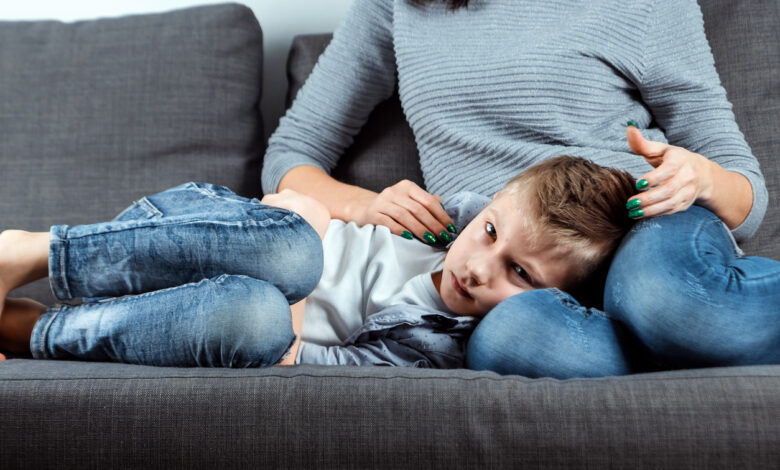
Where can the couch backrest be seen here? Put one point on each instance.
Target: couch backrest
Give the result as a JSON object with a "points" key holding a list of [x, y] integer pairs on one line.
{"points": [[96, 114], [745, 40]]}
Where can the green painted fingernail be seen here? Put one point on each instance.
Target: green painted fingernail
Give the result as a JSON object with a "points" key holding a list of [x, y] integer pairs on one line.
{"points": [[641, 184], [445, 237], [451, 228], [636, 213], [632, 123], [633, 204], [428, 237], [407, 235]]}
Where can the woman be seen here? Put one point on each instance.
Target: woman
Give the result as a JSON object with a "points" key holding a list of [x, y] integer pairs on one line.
{"points": [[490, 87]]}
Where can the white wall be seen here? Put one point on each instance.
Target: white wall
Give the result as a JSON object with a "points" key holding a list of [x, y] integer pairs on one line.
{"points": [[280, 20]]}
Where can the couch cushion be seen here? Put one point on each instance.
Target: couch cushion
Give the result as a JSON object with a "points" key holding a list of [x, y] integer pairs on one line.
{"points": [[744, 37], [96, 114], [95, 415]]}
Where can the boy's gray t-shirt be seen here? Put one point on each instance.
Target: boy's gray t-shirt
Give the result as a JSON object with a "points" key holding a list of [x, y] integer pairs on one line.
{"points": [[367, 269]]}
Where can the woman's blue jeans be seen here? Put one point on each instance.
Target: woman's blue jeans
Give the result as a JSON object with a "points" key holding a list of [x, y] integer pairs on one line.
{"points": [[192, 276], [679, 294]]}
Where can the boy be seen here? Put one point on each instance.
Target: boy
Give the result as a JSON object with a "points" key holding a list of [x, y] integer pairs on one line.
{"points": [[379, 299]]}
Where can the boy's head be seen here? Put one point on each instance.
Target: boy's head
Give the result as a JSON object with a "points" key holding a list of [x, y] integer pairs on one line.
{"points": [[553, 225]]}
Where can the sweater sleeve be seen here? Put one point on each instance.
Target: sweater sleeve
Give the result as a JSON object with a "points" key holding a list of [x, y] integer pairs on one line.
{"points": [[681, 86], [356, 72]]}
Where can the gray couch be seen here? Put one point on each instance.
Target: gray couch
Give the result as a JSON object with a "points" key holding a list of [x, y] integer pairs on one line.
{"points": [[96, 114]]}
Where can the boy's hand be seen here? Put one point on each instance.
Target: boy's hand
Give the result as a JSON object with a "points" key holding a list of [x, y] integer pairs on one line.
{"points": [[407, 210], [313, 211]]}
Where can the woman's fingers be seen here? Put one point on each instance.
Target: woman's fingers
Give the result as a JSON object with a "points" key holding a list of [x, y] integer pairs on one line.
{"points": [[414, 213], [663, 172], [403, 219], [671, 194], [661, 200], [422, 221], [649, 149], [432, 203]]}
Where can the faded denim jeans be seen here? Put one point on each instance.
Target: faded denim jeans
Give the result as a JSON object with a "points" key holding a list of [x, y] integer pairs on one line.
{"points": [[679, 294], [192, 276]]}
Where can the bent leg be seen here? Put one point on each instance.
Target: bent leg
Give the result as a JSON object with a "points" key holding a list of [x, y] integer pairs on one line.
{"points": [[546, 333], [228, 321], [681, 285], [183, 235]]}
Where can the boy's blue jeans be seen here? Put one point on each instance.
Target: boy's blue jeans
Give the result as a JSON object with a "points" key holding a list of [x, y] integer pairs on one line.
{"points": [[679, 294], [192, 276]]}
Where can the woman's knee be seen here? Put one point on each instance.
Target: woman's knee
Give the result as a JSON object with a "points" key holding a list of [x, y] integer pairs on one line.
{"points": [[672, 283], [249, 324], [546, 333]]}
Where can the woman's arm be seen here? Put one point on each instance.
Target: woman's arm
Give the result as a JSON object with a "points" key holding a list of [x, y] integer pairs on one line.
{"points": [[342, 200], [680, 85], [403, 207], [356, 72]]}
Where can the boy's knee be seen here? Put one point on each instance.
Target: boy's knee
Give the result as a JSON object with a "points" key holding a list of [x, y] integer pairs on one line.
{"points": [[250, 325], [301, 263]]}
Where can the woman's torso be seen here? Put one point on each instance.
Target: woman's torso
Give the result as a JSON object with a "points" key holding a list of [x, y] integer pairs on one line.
{"points": [[532, 79]]}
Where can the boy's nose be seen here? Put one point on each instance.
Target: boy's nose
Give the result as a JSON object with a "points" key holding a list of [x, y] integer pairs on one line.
{"points": [[479, 270]]}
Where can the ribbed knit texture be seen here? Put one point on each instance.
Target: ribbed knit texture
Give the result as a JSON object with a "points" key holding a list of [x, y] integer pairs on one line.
{"points": [[497, 87]]}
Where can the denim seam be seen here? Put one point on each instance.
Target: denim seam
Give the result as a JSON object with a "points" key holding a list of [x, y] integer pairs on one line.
{"points": [[62, 248], [217, 280], [45, 332], [126, 209], [697, 241], [564, 299], [162, 223], [151, 207], [212, 194]]}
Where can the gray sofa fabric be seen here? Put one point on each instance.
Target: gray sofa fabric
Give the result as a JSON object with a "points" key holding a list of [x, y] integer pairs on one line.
{"points": [[373, 417], [71, 414], [96, 114]]}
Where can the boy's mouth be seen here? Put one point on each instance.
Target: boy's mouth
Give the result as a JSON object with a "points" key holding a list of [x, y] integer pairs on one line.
{"points": [[458, 288]]}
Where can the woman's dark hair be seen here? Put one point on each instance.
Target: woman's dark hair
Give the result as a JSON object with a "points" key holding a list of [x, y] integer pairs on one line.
{"points": [[453, 4]]}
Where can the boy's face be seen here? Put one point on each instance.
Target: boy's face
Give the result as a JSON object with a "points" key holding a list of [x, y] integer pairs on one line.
{"points": [[497, 256]]}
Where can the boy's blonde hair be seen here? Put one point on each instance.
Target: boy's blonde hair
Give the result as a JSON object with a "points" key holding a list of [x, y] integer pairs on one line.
{"points": [[577, 205]]}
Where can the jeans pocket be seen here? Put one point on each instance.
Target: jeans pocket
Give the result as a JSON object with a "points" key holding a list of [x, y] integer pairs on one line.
{"points": [[141, 209]]}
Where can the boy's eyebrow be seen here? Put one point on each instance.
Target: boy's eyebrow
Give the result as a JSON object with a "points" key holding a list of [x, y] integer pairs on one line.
{"points": [[535, 277]]}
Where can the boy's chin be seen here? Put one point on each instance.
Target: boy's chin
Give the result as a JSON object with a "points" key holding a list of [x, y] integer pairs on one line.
{"points": [[461, 311]]}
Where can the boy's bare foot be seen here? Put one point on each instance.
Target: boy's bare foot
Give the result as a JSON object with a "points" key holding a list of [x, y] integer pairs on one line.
{"points": [[24, 258], [17, 323]]}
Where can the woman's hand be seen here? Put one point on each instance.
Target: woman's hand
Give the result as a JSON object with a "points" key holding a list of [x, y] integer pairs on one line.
{"points": [[313, 211], [680, 177], [407, 210]]}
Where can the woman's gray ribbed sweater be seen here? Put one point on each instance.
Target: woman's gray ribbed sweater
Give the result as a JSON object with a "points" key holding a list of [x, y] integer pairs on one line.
{"points": [[497, 87]]}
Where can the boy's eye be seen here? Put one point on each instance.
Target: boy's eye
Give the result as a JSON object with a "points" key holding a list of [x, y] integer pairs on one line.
{"points": [[522, 273], [490, 229]]}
